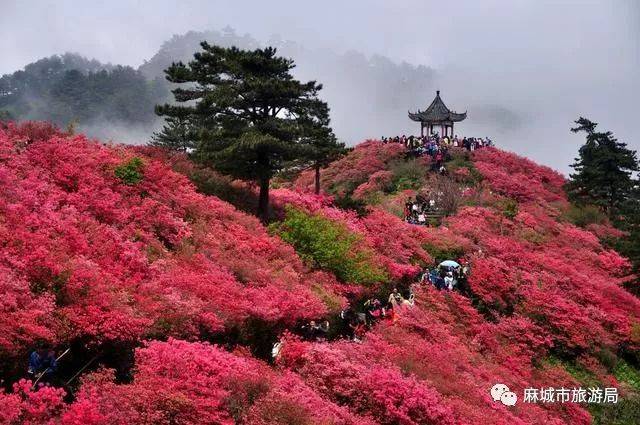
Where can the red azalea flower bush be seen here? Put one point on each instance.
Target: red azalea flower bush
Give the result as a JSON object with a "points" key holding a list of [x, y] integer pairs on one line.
{"points": [[518, 177], [542, 267], [343, 176], [377, 182], [32, 406], [561, 277], [116, 261], [18, 305], [382, 392], [193, 383]]}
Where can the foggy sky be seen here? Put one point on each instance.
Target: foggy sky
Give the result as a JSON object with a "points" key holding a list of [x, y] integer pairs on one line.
{"points": [[550, 61]]}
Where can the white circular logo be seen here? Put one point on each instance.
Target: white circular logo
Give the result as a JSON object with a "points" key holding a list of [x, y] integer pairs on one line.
{"points": [[501, 393]]}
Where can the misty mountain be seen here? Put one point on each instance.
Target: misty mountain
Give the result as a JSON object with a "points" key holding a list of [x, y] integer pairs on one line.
{"points": [[71, 89], [368, 96]]}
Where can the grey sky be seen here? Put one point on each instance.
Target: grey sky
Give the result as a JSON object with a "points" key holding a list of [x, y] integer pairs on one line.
{"points": [[548, 60]]}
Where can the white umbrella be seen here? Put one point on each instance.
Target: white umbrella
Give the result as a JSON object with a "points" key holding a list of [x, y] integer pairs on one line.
{"points": [[449, 263]]}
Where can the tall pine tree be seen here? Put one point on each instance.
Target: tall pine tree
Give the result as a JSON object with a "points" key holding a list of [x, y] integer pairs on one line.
{"points": [[604, 170], [252, 117], [605, 177]]}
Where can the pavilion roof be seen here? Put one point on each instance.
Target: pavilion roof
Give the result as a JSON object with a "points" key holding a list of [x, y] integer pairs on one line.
{"points": [[437, 112]]}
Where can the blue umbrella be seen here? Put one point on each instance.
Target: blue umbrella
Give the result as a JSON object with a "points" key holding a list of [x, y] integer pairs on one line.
{"points": [[449, 263]]}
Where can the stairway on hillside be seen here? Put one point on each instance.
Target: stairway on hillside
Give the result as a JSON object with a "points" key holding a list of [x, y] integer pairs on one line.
{"points": [[434, 218]]}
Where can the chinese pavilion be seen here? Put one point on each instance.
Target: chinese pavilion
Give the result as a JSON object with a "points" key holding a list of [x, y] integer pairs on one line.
{"points": [[437, 115]]}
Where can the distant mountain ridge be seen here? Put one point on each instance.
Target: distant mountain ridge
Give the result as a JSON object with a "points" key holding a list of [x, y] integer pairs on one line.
{"points": [[368, 96]]}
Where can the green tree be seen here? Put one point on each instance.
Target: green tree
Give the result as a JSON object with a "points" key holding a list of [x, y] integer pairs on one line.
{"points": [[252, 116], [605, 179], [176, 135], [604, 170]]}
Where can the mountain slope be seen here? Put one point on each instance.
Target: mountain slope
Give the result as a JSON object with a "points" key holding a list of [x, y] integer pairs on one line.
{"points": [[105, 249]]}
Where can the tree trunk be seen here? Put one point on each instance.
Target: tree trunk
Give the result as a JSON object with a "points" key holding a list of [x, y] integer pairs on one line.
{"points": [[263, 200], [317, 178]]}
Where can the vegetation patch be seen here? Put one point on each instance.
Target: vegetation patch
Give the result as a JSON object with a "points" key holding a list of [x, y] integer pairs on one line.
{"points": [[583, 215], [328, 245], [130, 173], [407, 174]]}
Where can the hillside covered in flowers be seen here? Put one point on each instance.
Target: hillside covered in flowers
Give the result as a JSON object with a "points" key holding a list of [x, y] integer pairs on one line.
{"points": [[174, 298]]}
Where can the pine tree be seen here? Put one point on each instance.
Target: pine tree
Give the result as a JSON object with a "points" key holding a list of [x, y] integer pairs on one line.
{"points": [[604, 177], [604, 170], [323, 147], [251, 115], [176, 135]]}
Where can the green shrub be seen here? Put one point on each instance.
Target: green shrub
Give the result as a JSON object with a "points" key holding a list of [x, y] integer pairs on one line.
{"points": [[509, 208], [409, 174], [625, 412], [328, 245], [585, 377], [584, 215], [626, 373], [130, 172], [348, 203]]}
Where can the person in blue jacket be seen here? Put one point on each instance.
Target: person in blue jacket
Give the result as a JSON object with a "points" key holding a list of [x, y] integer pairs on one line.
{"points": [[42, 361]]}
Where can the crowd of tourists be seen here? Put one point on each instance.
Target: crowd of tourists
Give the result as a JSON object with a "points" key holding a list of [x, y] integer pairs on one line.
{"points": [[358, 322], [433, 144], [418, 210], [437, 148], [316, 331], [355, 322], [447, 276]]}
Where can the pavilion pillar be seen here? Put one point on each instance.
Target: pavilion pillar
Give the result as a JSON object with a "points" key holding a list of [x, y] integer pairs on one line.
{"points": [[421, 129]]}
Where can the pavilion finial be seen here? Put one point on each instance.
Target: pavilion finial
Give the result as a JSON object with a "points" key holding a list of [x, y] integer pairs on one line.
{"points": [[437, 92]]}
